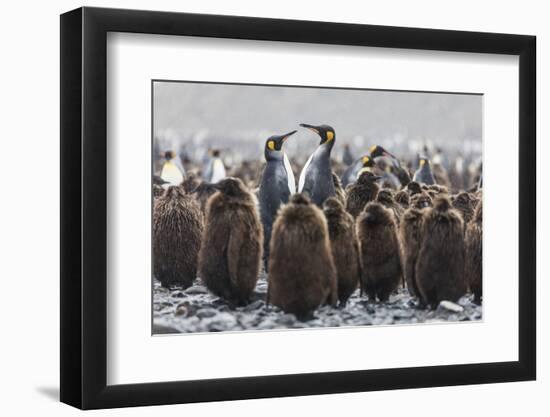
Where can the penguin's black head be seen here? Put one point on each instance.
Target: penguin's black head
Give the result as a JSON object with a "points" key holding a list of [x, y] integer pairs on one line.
{"points": [[232, 187], [275, 143], [367, 161], [423, 161], [377, 151], [326, 132], [169, 155], [215, 153]]}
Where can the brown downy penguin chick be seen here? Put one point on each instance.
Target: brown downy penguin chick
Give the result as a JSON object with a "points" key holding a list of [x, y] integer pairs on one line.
{"points": [[203, 192], [465, 204], [409, 232], [421, 200], [232, 243], [474, 257], [385, 197], [177, 229], [345, 247], [414, 188], [381, 254], [402, 198], [302, 274], [364, 190], [439, 189], [440, 263], [340, 193]]}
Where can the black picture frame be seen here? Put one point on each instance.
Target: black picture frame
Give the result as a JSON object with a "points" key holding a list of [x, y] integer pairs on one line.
{"points": [[84, 207]]}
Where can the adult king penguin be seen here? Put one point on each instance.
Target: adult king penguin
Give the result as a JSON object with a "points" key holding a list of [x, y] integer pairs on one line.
{"points": [[172, 172], [377, 151], [276, 186], [424, 174], [316, 176], [215, 170], [351, 174]]}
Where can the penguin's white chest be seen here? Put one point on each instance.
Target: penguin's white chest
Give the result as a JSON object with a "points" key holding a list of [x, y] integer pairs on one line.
{"points": [[218, 170], [289, 175], [303, 174], [171, 174]]}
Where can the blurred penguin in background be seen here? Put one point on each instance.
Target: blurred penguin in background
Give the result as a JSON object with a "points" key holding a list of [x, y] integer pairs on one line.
{"points": [[231, 252], [380, 252], [316, 176], [345, 247], [350, 175], [215, 169], [439, 271], [347, 157], [276, 186], [377, 152], [172, 171], [302, 274], [423, 174]]}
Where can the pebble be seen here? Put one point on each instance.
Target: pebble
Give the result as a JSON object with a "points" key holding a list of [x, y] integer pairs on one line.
{"points": [[449, 305], [197, 310], [206, 313]]}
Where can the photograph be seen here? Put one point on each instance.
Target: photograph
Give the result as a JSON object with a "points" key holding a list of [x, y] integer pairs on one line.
{"points": [[294, 207]]}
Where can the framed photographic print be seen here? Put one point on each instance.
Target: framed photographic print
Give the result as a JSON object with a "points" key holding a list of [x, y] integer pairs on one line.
{"points": [[257, 208]]}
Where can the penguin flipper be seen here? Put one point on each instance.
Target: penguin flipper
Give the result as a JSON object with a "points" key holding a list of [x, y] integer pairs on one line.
{"points": [[289, 175], [303, 174]]}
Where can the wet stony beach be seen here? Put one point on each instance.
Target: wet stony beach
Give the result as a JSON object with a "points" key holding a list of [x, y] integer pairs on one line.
{"points": [[196, 310]]}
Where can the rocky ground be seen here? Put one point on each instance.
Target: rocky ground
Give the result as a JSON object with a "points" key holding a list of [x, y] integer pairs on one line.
{"points": [[197, 310]]}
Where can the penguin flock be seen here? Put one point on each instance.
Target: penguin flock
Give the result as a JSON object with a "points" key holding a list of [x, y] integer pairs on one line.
{"points": [[375, 227]]}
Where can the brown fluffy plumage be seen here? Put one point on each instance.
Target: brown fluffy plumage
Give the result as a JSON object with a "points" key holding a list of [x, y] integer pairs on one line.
{"points": [[302, 274], [177, 229], [364, 190], [413, 188], [474, 255], [340, 193], [409, 231], [440, 263], [190, 183], [421, 200], [231, 252], [345, 247], [465, 204], [386, 198], [402, 198], [381, 254], [203, 192]]}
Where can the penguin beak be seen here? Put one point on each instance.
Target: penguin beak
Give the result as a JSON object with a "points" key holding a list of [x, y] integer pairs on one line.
{"points": [[310, 127], [289, 134]]}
